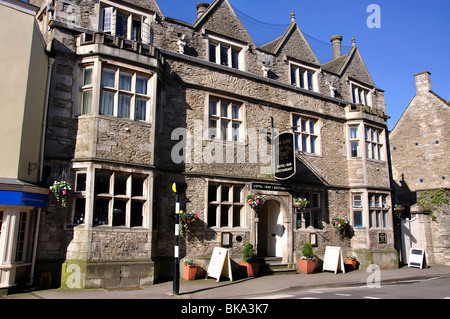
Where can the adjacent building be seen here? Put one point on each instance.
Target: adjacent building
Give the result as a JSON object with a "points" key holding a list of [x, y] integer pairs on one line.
{"points": [[419, 147], [22, 127], [138, 100]]}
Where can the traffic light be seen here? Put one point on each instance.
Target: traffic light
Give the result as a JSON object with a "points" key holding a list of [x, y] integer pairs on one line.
{"points": [[178, 188]]}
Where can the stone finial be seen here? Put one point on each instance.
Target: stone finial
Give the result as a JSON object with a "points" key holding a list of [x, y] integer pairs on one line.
{"points": [[292, 16], [353, 41]]}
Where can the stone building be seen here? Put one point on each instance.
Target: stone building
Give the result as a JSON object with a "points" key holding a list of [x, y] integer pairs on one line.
{"points": [[419, 147], [139, 99]]}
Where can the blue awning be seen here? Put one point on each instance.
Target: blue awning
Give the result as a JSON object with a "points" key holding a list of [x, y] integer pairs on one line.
{"points": [[23, 199]]}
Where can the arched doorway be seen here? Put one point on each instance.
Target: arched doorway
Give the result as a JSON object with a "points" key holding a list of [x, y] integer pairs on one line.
{"points": [[271, 231]]}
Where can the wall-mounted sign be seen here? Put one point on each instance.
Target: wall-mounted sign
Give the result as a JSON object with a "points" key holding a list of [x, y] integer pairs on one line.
{"points": [[23, 199], [284, 155], [271, 187], [382, 238]]}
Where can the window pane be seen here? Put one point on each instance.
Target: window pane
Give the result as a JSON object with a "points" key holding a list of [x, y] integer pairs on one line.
{"points": [[121, 25], [136, 30], [304, 123], [212, 193], [236, 132], [293, 76], [224, 109], [137, 185], [224, 130], [108, 78], [299, 220], [225, 193], [311, 126], [21, 236], [224, 214], [86, 102], [313, 144], [102, 181], [355, 149], [107, 107], [212, 131], [101, 211], [107, 15], [87, 76], [79, 211], [237, 216], [125, 81], [119, 212], [212, 52], [316, 201], [304, 143], [236, 111], [224, 55], [81, 182], [310, 81], [237, 191], [140, 110], [354, 132], [124, 106], [357, 217], [235, 59], [120, 184], [136, 214], [302, 78], [212, 215], [141, 85], [212, 107]]}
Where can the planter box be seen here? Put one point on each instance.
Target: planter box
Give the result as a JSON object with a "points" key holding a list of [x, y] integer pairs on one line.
{"points": [[190, 272], [350, 264], [252, 268], [305, 266]]}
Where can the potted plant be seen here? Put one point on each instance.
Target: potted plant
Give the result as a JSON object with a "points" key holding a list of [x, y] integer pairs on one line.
{"points": [[61, 190], [190, 269], [249, 260], [307, 263], [350, 262]]}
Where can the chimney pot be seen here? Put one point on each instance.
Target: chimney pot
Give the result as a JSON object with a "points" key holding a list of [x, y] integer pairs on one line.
{"points": [[201, 8], [423, 82], [336, 41]]}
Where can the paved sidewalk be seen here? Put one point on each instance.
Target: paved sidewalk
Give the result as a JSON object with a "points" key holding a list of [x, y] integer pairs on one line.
{"points": [[242, 288]]}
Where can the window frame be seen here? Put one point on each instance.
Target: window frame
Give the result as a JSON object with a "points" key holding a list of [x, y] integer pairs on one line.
{"points": [[374, 138], [216, 133], [354, 140], [303, 76], [357, 208], [361, 94], [219, 203], [300, 134], [87, 88], [378, 210], [234, 52], [310, 218]]}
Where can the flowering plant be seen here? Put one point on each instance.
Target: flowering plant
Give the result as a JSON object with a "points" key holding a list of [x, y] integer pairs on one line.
{"points": [[301, 202], [351, 257], [255, 201], [340, 223], [61, 190], [308, 258], [186, 220], [398, 209], [190, 262]]}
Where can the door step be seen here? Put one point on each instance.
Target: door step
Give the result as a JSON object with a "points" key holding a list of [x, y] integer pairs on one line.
{"points": [[274, 266]]}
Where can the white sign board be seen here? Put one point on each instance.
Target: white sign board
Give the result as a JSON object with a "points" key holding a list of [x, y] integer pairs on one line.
{"points": [[416, 257], [220, 264], [333, 260]]}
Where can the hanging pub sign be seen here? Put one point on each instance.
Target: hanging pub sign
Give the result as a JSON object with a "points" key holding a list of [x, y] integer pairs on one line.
{"points": [[284, 156]]}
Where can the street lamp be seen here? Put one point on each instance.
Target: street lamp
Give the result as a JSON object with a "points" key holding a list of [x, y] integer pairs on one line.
{"points": [[177, 188]]}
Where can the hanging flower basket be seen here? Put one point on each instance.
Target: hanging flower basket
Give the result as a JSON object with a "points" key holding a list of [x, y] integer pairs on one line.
{"points": [[340, 223], [255, 201], [186, 221], [61, 190], [301, 203], [398, 210]]}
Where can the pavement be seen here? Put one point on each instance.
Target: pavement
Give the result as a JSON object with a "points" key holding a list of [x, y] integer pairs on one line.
{"points": [[259, 287]]}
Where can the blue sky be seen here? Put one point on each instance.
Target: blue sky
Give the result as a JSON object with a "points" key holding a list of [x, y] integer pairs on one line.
{"points": [[414, 36]]}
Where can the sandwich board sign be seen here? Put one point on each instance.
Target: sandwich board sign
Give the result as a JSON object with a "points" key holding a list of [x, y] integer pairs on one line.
{"points": [[220, 264], [416, 257], [333, 260]]}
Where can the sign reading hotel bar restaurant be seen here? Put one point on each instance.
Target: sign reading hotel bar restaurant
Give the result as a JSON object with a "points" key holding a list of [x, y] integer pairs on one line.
{"points": [[220, 264], [284, 156]]}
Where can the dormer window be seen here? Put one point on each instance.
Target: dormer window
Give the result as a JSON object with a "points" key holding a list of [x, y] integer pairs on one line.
{"points": [[129, 25], [225, 53], [361, 95], [303, 77]]}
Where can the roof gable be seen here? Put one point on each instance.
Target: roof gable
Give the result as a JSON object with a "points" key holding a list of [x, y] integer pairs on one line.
{"points": [[220, 18], [293, 44], [147, 4]]}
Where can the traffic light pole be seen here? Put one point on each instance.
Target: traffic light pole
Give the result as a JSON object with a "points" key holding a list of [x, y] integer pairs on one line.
{"points": [[176, 269]]}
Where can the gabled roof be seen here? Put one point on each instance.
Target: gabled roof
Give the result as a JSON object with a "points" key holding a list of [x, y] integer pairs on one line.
{"points": [[213, 19], [294, 43], [148, 4], [351, 63]]}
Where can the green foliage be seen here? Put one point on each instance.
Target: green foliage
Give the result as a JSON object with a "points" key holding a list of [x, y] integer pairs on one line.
{"points": [[433, 201], [307, 251], [248, 253]]}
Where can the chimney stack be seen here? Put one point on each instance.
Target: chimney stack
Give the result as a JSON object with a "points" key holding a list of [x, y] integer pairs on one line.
{"points": [[201, 8], [423, 82], [336, 41]]}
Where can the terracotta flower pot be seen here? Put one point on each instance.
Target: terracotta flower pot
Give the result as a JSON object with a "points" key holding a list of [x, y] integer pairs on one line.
{"points": [[252, 268], [190, 272], [350, 264], [305, 266]]}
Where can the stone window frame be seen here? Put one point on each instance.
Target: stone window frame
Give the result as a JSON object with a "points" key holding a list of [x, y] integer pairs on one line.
{"points": [[374, 138], [132, 93], [87, 88], [110, 10], [303, 76], [219, 203], [354, 140], [311, 217], [300, 133], [220, 120], [361, 94], [232, 47], [357, 209], [378, 210]]}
